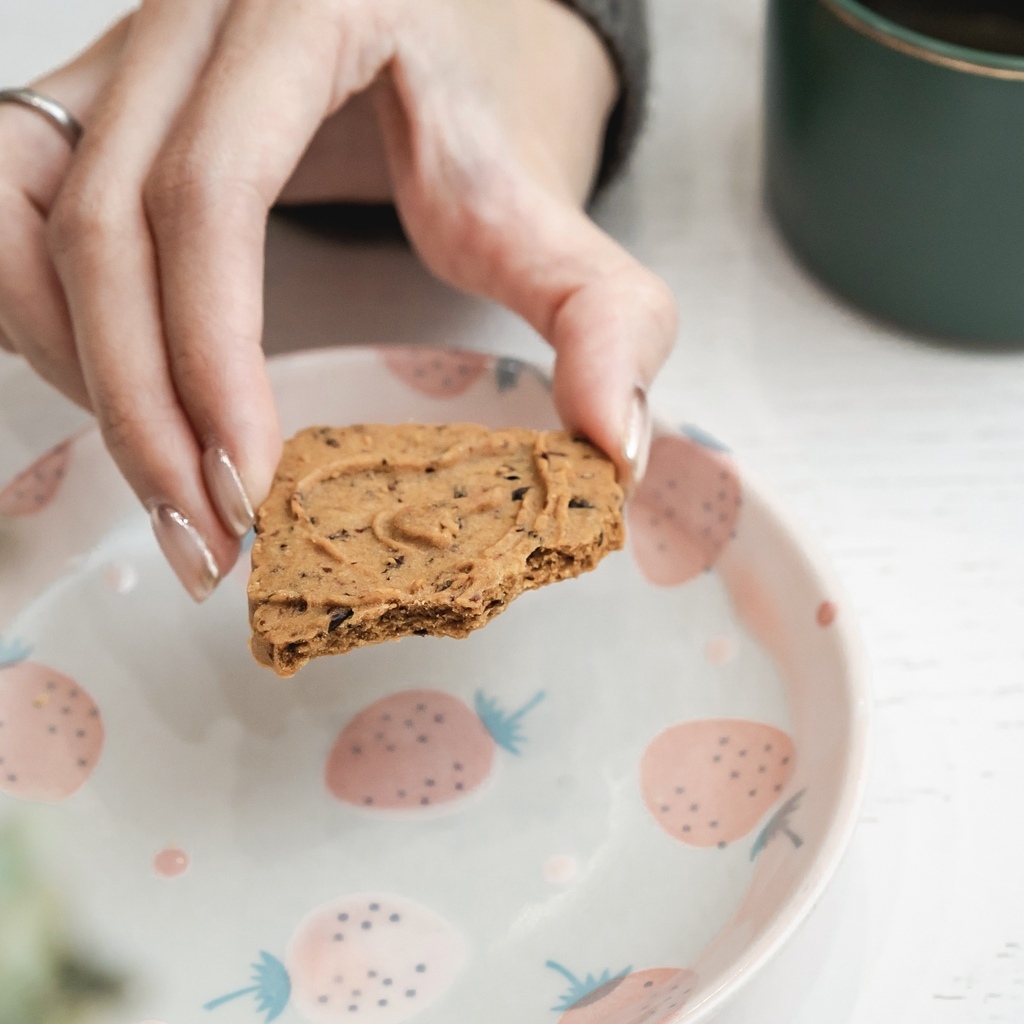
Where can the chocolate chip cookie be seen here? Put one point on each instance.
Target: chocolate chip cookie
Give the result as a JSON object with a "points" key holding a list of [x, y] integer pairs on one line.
{"points": [[372, 533]]}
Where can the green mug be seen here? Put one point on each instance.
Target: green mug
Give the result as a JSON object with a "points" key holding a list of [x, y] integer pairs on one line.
{"points": [[894, 159]]}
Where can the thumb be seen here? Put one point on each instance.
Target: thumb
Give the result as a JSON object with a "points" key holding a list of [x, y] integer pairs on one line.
{"points": [[611, 321], [612, 330], [500, 233]]}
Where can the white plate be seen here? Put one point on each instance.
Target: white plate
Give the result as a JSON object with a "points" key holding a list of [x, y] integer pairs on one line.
{"points": [[655, 824]]}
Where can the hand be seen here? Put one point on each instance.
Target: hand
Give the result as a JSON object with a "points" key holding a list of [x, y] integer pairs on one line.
{"points": [[131, 270]]}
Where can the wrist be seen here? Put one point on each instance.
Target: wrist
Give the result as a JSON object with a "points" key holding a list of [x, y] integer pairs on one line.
{"points": [[622, 27], [566, 95]]}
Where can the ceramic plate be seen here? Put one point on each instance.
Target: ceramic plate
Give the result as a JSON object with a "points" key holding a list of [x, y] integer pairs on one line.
{"points": [[623, 794]]}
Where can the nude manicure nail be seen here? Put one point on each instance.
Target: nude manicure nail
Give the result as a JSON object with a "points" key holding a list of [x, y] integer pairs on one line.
{"points": [[227, 491], [636, 445], [186, 551]]}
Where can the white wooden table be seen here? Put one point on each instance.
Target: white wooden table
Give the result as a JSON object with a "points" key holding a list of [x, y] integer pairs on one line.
{"points": [[905, 460]]}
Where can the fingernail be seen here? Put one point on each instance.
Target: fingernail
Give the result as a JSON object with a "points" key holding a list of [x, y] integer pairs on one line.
{"points": [[186, 551], [227, 491], [636, 445]]}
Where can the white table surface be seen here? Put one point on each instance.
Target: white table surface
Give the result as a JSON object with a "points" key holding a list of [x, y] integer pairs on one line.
{"points": [[904, 460]]}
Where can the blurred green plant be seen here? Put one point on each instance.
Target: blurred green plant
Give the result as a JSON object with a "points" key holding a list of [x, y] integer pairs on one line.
{"points": [[43, 980]]}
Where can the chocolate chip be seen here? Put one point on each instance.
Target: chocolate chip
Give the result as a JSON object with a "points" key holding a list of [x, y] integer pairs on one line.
{"points": [[512, 476], [580, 503], [430, 469], [460, 492], [331, 441], [340, 615], [519, 493]]}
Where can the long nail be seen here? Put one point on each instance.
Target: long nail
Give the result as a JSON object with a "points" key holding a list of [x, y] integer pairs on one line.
{"points": [[186, 551], [227, 491], [636, 443]]}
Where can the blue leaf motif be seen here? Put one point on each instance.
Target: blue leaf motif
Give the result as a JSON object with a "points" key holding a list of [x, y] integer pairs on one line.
{"points": [[272, 990], [702, 437], [779, 823], [507, 372], [580, 989], [504, 727], [12, 651]]}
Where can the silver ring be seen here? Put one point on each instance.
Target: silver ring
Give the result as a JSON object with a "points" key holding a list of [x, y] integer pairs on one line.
{"points": [[56, 113]]}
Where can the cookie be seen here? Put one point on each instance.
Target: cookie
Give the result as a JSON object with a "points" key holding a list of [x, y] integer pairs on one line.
{"points": [[372, 533]]}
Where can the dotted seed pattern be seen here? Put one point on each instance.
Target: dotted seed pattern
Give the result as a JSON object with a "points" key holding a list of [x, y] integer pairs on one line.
{"points": [[368, 957], [51, 733], [630, 997], [436, 373], [34, 488], [420, 748], [686, 509], [709, 782]]}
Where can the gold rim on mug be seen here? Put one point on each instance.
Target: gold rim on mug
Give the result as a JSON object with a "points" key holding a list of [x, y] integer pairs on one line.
{"points": [[922, 47]]}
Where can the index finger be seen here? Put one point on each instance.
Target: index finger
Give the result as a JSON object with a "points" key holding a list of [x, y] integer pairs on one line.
{"points": [[275, 75]]}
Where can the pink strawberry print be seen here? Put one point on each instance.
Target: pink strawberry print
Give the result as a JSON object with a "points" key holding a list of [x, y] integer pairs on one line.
{"points": [[709, 782], [34, 488], [437, 373], [420, 748], [369, 957], [685, 510], [629, 997], [51, 733]]}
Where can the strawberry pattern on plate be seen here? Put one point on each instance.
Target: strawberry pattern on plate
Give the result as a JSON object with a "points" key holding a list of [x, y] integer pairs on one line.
{"points": [[601, 778]]}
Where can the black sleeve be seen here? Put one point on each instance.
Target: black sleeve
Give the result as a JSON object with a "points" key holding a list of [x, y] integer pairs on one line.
{"points": [[622, 24]]}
